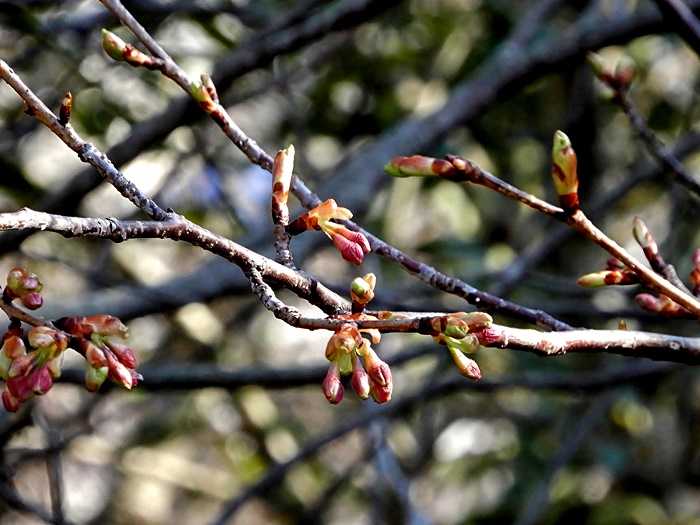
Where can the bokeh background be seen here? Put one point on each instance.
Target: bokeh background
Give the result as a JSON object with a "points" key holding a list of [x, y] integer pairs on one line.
{"points": [[232, 395]]}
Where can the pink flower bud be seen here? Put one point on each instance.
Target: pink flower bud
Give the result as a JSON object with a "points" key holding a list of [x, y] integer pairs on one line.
{"points": [[349, 250], [332, 387], [378, 371], [93, 355], [360, 379], [33, 300], [125, 354], [118, 372], [381, 394]]}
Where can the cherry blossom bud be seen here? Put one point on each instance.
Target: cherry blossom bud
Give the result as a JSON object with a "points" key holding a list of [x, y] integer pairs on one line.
{"points": [[94, 355], [467, 367], [362, 289], [378, 371], [360, 379], [113, 45], [20, 366], [564, 172], [33, 300], [608, 278], [106, 325], [119, 373], [419, 166], [332, 387], [381, 393], [124, 353], [662, 305], [94, 377], [625, 71], [350, 251]]}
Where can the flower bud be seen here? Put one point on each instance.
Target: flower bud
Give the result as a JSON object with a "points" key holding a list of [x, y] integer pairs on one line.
{"points": [[467, 367], [119, 373], [362, 289], [419, 166], [662, 305], [94, 377], [124, 353], [94, 355], [381, 394], [564, 172], [332, 387], [350, 251], [360, 379], [608, 278], [106, 325], [378, 371], [114, 46], [33, 300]]}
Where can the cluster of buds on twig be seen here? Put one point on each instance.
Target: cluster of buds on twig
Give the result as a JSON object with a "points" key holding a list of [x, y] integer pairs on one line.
{"points": [[120, 51], [618, 78], [97, 338], [352, 245], [351, 353], [31, 361], [30, 373], [456, 333], [25, 286], [616, 273]]}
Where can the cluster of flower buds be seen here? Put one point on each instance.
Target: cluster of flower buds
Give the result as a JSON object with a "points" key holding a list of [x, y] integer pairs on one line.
{"points": [[457, 332], [661, 305], [25, 286], [352, 245], [30, 362], [30, 373], [350, 353], [105, 357], [120, 51], [620, 78]]}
